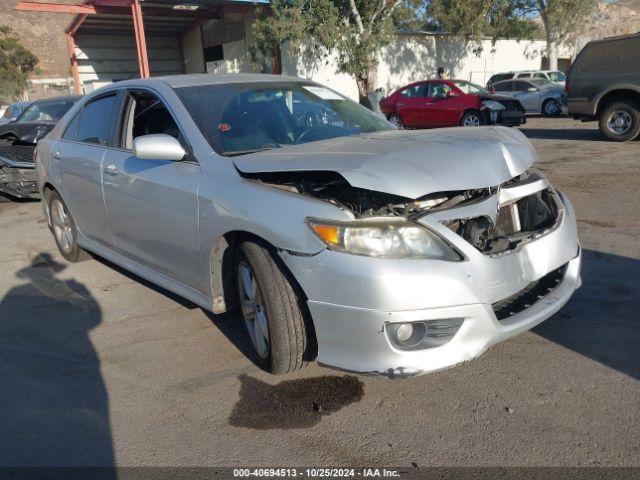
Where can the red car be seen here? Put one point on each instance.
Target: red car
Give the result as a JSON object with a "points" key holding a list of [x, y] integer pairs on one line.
{"points": [[447, 103]]}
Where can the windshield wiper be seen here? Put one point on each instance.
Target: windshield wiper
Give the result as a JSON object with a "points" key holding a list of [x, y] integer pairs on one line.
{"points": [[235, 153]]}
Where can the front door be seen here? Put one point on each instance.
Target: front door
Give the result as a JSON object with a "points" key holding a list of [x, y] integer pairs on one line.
{"points": [[152, 205], [530, 100], [442, 108]]}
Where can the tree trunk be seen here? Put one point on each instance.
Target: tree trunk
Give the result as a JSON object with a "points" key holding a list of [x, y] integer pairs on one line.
{"points": [[364, 86], [552, 53], [277, 60]]}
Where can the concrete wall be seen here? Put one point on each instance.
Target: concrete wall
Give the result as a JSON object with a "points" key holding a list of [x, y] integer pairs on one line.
{"points": [[411, 58], [192, 53]]}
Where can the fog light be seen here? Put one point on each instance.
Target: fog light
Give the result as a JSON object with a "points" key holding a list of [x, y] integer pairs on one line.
{"points": [[425, 334], [404, 332]]}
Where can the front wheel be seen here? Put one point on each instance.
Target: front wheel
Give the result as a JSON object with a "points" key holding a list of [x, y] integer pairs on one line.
{"points": [[551, 107], [472, 118], [620, 121], [271, 309], [396, 119]]}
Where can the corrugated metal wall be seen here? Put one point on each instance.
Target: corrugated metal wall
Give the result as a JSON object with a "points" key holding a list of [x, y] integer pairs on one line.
{"points": [[114, 57]]}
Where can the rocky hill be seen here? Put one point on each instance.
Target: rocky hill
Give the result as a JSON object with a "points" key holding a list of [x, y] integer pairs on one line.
{"points": [[43, 34]]}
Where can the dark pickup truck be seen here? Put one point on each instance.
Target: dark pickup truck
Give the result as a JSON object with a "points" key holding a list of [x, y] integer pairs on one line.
{"points": [[604, 84]]}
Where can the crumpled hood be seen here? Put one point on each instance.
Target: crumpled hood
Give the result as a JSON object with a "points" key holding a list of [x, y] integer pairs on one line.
{"points": [[407, 163]]}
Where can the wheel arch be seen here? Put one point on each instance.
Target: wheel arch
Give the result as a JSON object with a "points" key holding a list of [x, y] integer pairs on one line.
{"points": [[222, 276], [616, 95]]}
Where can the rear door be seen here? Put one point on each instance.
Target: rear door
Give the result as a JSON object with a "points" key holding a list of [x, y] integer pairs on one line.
{"points": [[410, 104], [80, 152], [530, 99], [152, 205]]}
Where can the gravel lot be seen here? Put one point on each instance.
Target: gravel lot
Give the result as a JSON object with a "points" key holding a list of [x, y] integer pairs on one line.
{"points": [[99, 368]]}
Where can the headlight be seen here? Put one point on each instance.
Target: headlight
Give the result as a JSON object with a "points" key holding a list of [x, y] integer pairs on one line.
{"points": [[492, 105], [383, 239]]}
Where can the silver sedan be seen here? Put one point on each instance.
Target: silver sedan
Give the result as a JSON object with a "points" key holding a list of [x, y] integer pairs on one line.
{"points": [[536, 95], [369, 248]]}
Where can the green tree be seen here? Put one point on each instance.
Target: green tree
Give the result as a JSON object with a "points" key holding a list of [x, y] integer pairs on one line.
{"points": [[355, 30], [16, 64], [560, 19]]}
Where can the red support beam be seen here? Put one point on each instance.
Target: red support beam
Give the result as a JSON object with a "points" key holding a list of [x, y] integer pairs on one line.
{"points": [[71, 46], [55, 7], [141, 41]]}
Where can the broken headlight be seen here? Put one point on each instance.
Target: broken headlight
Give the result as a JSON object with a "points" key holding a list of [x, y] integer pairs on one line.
{"points": [[383, 239]]}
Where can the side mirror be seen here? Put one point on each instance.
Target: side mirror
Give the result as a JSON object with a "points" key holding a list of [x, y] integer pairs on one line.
{"points": [[159, 146], [451, 94]]}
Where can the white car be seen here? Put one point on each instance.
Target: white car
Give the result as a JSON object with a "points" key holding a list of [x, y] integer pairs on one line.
{"points": [[554, 76]]}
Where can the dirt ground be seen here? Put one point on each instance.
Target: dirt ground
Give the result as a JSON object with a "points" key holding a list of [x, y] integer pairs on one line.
{"points": [[100, 368]]}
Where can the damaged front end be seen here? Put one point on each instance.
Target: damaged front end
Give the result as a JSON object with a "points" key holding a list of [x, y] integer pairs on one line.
{"points": [[17, 170], [515, 212]]}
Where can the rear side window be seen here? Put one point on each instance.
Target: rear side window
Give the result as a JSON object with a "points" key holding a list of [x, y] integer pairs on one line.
{"points": [[540, 75], [415, 91], [624, 55], [93, 123]]}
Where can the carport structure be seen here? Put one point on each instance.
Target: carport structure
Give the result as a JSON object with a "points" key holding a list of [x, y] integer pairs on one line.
{"points": [[111, 40]]}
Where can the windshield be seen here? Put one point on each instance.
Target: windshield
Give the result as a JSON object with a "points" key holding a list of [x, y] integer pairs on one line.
{"points": [[45, 112], [241, 118], [557, 76], [542, 82], [470, 88]]}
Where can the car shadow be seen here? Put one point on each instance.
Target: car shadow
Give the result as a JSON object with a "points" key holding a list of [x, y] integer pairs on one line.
{"points": [[563, 134], [602, 321], [53, 401]]}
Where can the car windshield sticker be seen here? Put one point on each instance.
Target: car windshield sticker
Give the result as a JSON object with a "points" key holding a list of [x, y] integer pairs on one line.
{"points": [[323, 93]]}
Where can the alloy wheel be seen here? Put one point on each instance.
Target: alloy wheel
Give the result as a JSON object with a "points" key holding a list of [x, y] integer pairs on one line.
{"points": [[619, 122], [253, 311], [471, 120], [62, 226], [552, 107]]}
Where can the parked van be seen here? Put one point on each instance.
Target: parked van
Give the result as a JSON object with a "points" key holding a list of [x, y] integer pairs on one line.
{"points": [[604, 85]]}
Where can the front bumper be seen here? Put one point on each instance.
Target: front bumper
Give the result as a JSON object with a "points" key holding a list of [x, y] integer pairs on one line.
{"points": [[18, 178], [353, 299]]}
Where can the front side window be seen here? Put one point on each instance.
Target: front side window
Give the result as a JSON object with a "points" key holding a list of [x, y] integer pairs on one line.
{"points": [[94, 121], [414, 91], [145, 114], [45, 112], [521, 86], [439, 90], [241, 118], [504, 87]]}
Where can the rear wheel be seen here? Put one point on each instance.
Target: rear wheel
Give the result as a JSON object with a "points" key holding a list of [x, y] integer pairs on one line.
{"points": [[396, 119], [64, 229], [271, 309], [620, 121], [551, 107], [472, 118]]}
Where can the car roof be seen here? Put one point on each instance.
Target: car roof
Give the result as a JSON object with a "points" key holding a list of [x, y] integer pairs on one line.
{"points": [[201, 79]]}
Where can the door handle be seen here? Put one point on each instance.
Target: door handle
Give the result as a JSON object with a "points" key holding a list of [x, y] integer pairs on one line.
{"points": [[111, 169], [400, 104], [429, 103], [56, 155]]}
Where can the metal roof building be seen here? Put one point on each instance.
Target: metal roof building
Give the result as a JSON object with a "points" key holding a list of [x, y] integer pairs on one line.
{"points": [[112, 40]]}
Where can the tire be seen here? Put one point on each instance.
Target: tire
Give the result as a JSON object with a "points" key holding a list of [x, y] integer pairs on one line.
{"points": [[620, 121], [273, 310], [472, 118], [551, 108], [396, 119], [64, 229]]}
